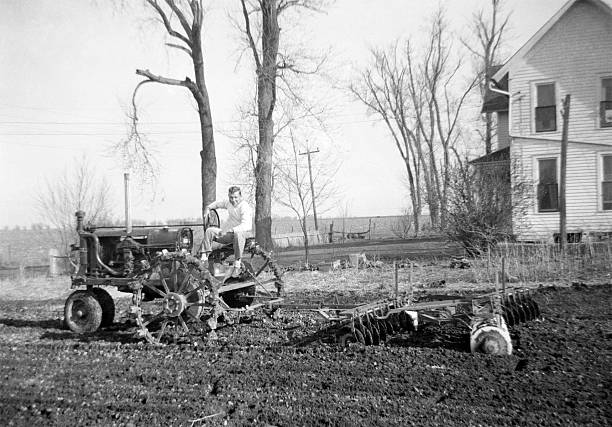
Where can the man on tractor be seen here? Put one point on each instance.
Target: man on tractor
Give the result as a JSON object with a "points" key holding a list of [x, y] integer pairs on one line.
{"points": [[234, 230]]}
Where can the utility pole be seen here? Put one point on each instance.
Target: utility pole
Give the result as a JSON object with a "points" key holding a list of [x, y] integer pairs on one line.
{"points": [[314, 208], [563, 173]]}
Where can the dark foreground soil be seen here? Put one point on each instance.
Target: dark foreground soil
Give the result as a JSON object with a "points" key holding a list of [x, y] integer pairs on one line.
{"points": [[559, 373]]}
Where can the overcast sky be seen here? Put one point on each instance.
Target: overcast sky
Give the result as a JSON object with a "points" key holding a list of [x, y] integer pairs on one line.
{"points": [[67, 68]]}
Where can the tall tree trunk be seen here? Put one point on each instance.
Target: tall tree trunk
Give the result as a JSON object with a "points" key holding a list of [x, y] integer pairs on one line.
{"points": [[266, 98], [413, 196], [207, 154], [186, 35]]}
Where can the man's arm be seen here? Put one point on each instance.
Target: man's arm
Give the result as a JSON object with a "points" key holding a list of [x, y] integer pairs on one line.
{"points": [[215, 205]]}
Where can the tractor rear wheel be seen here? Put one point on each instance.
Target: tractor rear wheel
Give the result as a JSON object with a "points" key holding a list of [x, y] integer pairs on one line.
{"points": [[176, 314], [82, 312], [107, 304]]}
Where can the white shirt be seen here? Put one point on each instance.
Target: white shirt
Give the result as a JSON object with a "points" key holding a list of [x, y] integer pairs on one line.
{"points": [[240, 217]]}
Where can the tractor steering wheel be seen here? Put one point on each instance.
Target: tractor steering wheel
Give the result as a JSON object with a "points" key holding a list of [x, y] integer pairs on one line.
{"points": [[212, 220]]}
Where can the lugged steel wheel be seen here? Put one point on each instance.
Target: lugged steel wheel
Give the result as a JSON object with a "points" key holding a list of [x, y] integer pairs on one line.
{"points": [[176, 315]]}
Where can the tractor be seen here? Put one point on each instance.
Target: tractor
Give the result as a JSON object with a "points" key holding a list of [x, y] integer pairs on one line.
{"points": [[175, 297]]}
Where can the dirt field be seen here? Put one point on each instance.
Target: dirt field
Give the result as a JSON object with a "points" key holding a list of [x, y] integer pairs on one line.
{"points": [[559, 373]]}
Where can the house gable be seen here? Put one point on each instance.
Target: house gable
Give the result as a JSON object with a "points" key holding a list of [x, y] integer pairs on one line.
{"points": [[520, 54], [571, 57]]}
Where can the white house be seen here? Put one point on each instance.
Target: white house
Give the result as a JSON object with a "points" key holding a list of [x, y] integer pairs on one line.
{"points": [[571, 54]]}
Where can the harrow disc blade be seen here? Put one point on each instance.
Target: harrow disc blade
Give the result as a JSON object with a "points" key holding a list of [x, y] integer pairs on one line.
{"points": [[509, 314], [374, 332], [389, 328], [536, 309], [533, 308], [382, 330], [366, 334], [526, 302], [395, 321], [523, 316], [515, 313]]}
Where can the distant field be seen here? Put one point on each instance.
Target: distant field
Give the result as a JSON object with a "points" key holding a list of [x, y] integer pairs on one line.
{"points": [[30, 247]]}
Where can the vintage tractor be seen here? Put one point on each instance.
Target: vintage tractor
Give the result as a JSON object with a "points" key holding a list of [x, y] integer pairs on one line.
{"points": [[174, 296]]}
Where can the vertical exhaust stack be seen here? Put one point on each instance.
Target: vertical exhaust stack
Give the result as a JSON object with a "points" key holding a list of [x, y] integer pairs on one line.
{"points": [[128, 213], [83, 253]]}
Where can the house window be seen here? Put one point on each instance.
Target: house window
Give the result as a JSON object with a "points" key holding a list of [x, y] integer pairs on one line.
{"points": [[546, 108], [548, 190], [606, 183], [605, 106]]}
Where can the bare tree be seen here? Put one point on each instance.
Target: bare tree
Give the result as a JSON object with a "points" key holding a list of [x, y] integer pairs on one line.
{"points": [[489, 32], [78, 188], [182, 21], [419, 96], [383, 88], [438, 74], [270, 63], [293, 188]]}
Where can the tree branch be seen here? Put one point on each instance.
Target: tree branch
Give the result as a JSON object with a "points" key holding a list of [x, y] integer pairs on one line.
{"points": [[247, 23], [183, 48], [181, 16], [167, 24], [188, 83]]}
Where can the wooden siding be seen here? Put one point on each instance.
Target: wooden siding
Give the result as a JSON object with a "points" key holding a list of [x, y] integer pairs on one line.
{"points": [[584, 213], [503, 138], [576, 53]]}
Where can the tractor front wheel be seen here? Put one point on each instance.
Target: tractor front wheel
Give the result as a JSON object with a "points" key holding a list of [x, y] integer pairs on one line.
{"points": [[82, 312], [107, 304]]}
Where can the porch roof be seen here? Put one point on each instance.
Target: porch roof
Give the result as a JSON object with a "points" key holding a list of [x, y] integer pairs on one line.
{"points": [[494, 157]]}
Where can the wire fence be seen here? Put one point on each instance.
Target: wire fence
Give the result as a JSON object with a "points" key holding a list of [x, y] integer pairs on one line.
{"points": [[521, 262]]}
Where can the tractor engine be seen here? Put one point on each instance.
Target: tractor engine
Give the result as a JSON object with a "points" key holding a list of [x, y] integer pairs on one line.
{"points": [[113, 252]]}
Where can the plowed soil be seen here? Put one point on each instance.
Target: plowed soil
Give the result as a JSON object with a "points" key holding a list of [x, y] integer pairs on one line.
{"points": [[255, 374]]}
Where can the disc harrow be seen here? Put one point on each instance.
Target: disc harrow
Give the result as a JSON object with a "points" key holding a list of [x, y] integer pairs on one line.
{"points": [[519, 307], [488, 317]]}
